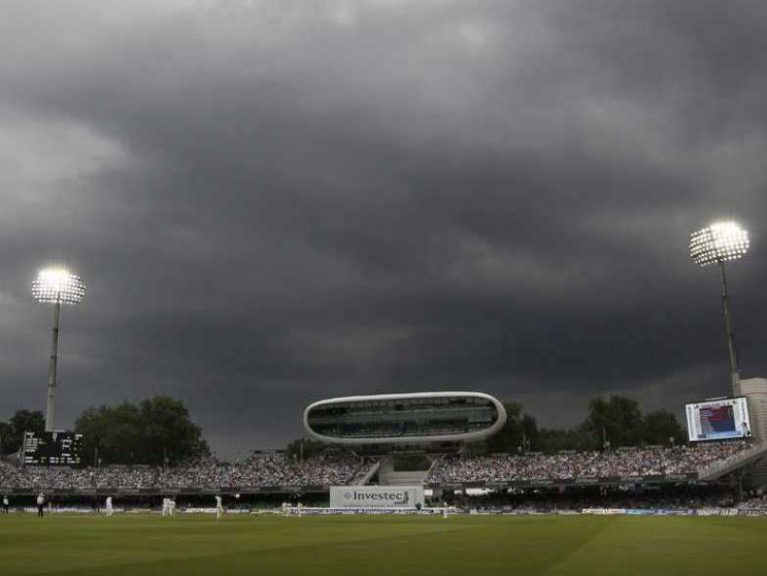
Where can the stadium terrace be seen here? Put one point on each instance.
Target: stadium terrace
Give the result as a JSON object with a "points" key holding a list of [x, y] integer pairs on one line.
{"points": [[274, 473]]}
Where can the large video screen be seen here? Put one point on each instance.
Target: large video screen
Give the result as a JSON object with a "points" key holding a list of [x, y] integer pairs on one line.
{"points": [[52, 449], [718, 420]]}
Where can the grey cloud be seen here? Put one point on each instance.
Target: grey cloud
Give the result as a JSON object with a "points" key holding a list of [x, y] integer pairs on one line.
{"points": [[272, 202]]}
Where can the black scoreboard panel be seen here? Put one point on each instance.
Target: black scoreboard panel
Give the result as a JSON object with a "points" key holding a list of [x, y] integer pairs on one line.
{"points": [[52, 449]]}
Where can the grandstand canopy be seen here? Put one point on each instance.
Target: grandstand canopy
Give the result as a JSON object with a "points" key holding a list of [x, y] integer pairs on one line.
{"points": [[415, 418]]}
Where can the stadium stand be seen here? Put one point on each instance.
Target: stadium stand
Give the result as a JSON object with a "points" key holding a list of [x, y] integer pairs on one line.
{"points": [[637, 462], [755, 503], [261, 470], [274, 470]]}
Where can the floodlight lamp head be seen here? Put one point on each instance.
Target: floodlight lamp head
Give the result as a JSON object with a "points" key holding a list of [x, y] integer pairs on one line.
{"points": [[718, 243], [58, 285]]}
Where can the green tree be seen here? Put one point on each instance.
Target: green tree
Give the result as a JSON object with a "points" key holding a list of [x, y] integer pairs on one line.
{"points": [[617, 420], [114, 433], [169, 436], [304, 448], [12, 432], [28, 421], [530, 432], [156, 431], [553, 440], [660, 426], [6, 438], [519, 432]]}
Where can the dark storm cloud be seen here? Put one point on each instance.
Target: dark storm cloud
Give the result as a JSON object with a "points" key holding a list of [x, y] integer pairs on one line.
{"points": [[273, 202]]}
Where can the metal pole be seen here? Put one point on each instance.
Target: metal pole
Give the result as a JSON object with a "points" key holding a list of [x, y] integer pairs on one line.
{"points": [[49, 411], [734, 369]]}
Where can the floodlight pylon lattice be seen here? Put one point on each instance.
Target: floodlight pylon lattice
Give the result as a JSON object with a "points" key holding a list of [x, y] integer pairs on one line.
{"points": [[716, 244], [56, 286]]}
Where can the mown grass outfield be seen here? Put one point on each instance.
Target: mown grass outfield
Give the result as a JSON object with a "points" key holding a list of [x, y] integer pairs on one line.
{"points": [[472, 546]]}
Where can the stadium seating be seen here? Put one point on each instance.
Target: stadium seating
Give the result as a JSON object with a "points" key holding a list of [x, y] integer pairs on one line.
{"points": [[260, 470], [570, 466], [273, 469]]}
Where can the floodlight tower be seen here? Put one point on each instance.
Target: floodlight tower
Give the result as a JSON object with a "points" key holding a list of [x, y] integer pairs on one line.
{"points": [[56, 286], [716, 244]]}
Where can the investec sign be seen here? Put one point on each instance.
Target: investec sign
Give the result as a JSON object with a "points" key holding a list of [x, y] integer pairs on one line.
{"points": [[376, 496]]}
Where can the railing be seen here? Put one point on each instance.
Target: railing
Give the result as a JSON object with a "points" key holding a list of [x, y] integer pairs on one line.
{"points": [[721, 467], [369, 474]]}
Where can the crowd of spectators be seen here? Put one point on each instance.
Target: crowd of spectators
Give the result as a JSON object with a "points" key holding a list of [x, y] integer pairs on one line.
{"points": [[652, 461], [274, 469], [755, 502], [270, 469]]}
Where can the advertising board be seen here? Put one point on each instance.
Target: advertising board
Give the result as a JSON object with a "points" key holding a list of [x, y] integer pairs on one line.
{"points": [[376, 496]]}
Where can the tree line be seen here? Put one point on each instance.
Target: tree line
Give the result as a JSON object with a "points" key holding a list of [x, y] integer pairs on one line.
{"points": [[612, 422], [12, 432], [158, 431]]}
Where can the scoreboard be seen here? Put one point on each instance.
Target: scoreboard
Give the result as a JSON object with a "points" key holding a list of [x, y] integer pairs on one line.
{"points": [[718, 419], [52, 449]]}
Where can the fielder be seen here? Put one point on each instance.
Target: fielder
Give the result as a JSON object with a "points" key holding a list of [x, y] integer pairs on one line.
{"points": [[219, 508], [108, 506]]}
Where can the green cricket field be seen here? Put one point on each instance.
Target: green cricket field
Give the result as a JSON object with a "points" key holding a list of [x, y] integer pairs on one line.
{"points": [[385, 545]]}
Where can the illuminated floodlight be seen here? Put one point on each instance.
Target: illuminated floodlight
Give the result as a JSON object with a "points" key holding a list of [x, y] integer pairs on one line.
{"points": [[58, 285], [718, 242]]}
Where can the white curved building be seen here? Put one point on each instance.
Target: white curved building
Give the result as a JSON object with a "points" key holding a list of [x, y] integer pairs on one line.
{"points": [[414, 418]]}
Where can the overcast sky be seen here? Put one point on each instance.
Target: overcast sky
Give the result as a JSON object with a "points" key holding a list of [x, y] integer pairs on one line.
{"points": [[274, 202]]}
